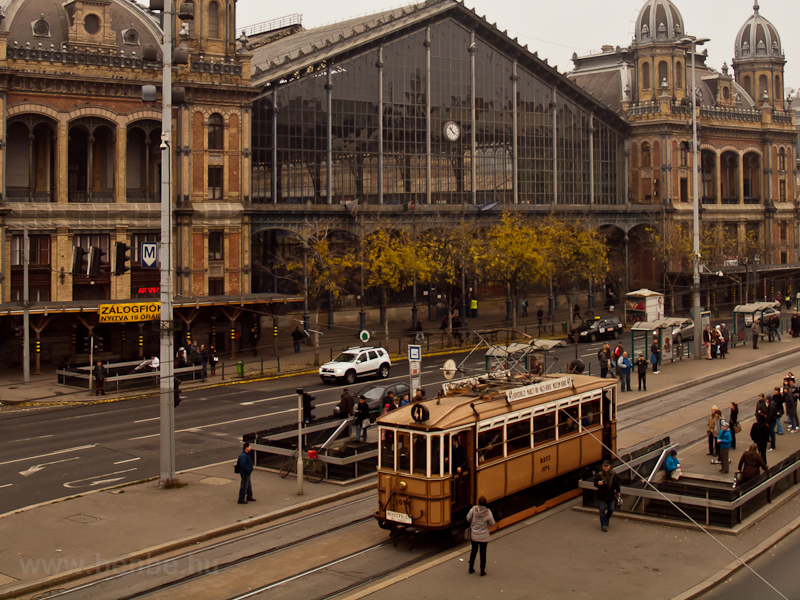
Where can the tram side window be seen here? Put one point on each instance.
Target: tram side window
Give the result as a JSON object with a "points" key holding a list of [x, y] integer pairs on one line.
{"points": [[387, 449], [420, 454], [519, 435], [544, 428], [490, 444], [607, 406], [435, 455], [404, 452], [448, 448], [590, 413], [567, 421]]}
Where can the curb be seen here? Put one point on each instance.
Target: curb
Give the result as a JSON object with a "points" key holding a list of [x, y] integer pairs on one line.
{"points": [[148, 553]]}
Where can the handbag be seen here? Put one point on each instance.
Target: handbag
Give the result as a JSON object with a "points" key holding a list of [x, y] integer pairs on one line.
{"points": [[468, 534], [737, 428], [236, 468]]}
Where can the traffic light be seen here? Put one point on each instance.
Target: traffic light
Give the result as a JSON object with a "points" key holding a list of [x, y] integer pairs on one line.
{"points": [[87, 345], [176, 393], [308, 407], [19, 331], [80, 262], [98, 343], [121, 258], [95, 258]]}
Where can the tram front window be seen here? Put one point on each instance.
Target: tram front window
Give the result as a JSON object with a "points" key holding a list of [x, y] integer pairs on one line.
{"points": [[404, 452], [387, 449], [544, 428], [420, 454]]}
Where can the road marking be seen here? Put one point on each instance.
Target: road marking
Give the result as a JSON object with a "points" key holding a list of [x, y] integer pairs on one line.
{"points": [[38, 437], [198, 428], [6, 485], [146, 420], [72, 484], [127, 461], [37, 468], [8, 462]]}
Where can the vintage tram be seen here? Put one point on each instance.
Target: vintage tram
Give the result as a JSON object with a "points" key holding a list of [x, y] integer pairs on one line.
{"points": [[526, 439]]}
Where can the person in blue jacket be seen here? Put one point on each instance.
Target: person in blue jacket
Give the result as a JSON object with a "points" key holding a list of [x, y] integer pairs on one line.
{"points": [[624, 367], [672, 465], [245, 464], [724, 440]]}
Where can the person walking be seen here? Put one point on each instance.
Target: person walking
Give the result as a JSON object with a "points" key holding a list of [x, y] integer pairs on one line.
{"points": [[473, 306], [576, 312], [710, 426], [204, 360], [751, 463], [655, 353], [759, 433], [480, 519], [790, 394], [773, 416], [214, 359], [733, 419], [245, 469], [724, 441], [607, 484], [755, 331], [624, 367], [346, 405], [362, 415], [297, 337], [524, 307], [603, 356], [724, 341], [539, 317], [641, 366], [99, 372], [778, 396], [707, 341]]}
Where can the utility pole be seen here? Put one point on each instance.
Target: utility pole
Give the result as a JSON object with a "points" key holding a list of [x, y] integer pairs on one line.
{"points": [[26, 309]]}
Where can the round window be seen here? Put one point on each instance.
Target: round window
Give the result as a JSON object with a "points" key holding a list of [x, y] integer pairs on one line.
{"points": [[91, 23]]}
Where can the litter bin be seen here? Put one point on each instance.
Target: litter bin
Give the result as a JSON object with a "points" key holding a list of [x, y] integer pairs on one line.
{"points": [[563, 327], [716, 313], [240, 368]]}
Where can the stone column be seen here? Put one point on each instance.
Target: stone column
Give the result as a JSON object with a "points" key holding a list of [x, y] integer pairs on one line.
{"points": [[62, 162], [741, 178], [121, 191]]}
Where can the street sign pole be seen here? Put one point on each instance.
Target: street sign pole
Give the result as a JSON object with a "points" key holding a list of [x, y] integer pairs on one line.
{"points": [[414, 368]]}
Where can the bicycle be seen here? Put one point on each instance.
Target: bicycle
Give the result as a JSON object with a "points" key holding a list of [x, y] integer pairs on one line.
{"points": [[313, 468]]}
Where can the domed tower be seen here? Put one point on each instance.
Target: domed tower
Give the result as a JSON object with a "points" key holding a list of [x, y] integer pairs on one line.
{"points": [[759, 60], [660, 65]]}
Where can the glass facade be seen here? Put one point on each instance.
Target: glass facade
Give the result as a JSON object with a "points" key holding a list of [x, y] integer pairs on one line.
{"points": [[437, 116]]}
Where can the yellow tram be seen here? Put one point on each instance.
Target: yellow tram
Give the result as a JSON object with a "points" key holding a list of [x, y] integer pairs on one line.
{"points": [[526, 440]]}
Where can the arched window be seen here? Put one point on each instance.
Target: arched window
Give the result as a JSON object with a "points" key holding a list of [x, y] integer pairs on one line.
{"points": [[663, 68], [645, 76], [646, 154], [778, 88], [678, 76], [782, 159], [213, 19], [763, 87], [216, 128], [747, 86], [684, 154]]}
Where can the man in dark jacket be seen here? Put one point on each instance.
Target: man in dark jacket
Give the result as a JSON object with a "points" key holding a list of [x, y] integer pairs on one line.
{"points": [[641, 369], [759, 433], [774, 413], [603, 355], [245, 464], [362, 418], [459, 457], [99, 379], [607, 485], [346, 405], [761, 406]]}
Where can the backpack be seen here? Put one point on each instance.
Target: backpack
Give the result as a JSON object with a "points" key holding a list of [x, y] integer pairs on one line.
{"points": [[617, 352]]}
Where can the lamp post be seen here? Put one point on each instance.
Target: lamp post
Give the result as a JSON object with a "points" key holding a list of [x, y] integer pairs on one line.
{"points": [[698, 329]]}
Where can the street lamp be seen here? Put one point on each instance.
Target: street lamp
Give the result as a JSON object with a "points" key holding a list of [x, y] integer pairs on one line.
{"points": [[694, 42], [167, 364]]}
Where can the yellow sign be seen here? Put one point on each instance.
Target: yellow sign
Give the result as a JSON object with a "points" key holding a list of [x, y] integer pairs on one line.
{"points": [[130, 313]]}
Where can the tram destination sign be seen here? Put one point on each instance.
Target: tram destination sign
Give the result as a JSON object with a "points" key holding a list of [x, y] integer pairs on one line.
{"points": [[543, 387]]}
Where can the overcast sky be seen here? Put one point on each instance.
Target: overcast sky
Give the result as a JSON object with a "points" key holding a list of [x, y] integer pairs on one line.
{"points": [[556, 29]]}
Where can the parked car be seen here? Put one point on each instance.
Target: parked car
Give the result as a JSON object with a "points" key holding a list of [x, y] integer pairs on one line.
{"points": [[683, 331], [768, 312], [377, 394], [599, 329], [356, 362]]}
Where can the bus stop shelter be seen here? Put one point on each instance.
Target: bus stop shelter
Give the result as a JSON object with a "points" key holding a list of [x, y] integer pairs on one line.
{"points": [[745, 314], [644, 333]]}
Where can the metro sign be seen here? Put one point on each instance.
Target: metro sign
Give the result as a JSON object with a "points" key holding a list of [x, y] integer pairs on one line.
{"points": [[149, 255]]}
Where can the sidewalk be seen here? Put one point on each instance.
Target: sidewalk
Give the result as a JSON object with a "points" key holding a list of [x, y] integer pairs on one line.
{"points": [[142, 520]]}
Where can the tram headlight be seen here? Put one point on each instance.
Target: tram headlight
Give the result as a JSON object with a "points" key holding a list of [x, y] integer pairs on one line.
{"points": [[402, 485]]}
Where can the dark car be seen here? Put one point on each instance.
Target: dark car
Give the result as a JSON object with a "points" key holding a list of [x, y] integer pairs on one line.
{"points": [[377, 394], [599, 329]]}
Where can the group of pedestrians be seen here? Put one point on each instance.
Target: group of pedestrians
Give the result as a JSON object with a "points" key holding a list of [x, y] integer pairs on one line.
{"points": [[617, 361], [198, 356], [715, 341]]}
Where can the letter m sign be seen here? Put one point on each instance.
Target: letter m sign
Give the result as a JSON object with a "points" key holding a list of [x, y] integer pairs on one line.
{"points": [[149, 255]]}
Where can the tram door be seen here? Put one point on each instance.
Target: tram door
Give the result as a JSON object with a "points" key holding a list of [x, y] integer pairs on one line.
{"points": [[463, 484], [608, 424]]}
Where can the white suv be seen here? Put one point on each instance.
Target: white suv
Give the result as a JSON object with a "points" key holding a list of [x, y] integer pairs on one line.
{"points": [[356, 362]]}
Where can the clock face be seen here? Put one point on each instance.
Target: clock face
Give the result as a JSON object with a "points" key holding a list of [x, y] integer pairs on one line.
{"points": [[452, 131]]}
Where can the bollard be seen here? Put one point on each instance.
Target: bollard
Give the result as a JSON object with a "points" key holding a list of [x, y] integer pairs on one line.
{"points": [[222, 369], [262, 365], [590, 369], [563, 327], [279, 362], [240, 369]]}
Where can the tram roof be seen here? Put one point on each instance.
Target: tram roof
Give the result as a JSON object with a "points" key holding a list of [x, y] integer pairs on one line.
{"points": [[489, 401]]}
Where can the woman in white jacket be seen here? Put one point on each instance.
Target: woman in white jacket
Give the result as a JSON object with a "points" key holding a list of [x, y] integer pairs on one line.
{"points": [[480, 519]]}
